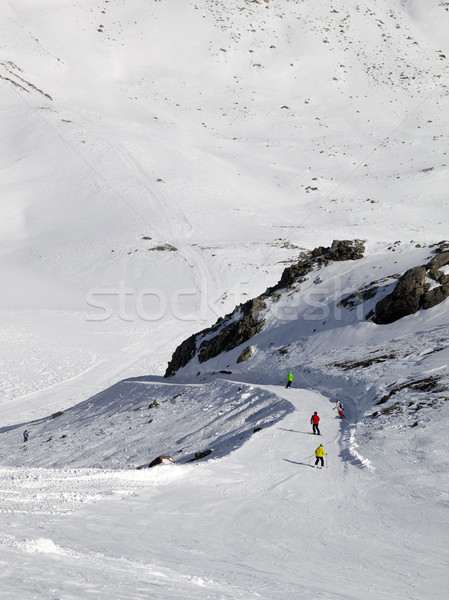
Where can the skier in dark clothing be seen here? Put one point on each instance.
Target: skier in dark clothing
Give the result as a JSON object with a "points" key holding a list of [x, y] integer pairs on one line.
{"points": [[314, 420], [25, 436]]}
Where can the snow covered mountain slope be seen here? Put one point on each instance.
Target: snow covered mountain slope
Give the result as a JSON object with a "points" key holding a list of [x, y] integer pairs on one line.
{"points": [[252, 519], [235, 132], [327, 311], [162, 162], [389, 377], [257, 523]]}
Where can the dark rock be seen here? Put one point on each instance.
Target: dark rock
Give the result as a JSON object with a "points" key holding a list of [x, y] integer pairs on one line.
{"points": [[412, 293], [433, 297], [438, 261], [435, 274], [361, 364], [237, 332], [421, 385], [163, 248], [245, 321], [391, 409], [160, 460], [245, 354], [57, 414], [200, 455], [346, 250], [339, 251], [182, 355], [405, 298]]}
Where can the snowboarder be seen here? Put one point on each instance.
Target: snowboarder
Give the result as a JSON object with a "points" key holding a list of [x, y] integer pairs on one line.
{"points": [[25, 436], [339, 407], [314, 420], [319, 453], [289, 379]]}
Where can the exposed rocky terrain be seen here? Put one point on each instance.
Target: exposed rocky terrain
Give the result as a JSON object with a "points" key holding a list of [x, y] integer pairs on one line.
{"points": [[420, 287]]}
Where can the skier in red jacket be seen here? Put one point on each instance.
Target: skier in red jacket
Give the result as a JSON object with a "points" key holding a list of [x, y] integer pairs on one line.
{"points": [[314, 420]]}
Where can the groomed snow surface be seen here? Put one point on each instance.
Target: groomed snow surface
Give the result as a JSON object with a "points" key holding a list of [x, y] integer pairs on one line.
{"points": [[259, 522], [162, 162]]}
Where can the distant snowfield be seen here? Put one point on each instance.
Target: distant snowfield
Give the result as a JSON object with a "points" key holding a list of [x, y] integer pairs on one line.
{"points": [[161, 163]]}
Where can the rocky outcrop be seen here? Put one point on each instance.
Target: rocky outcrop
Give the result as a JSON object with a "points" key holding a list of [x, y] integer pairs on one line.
{"points": [[322, 256], [405, 298], [436, 295], [438, 261], [412, 291], [200, 455], [245, 354], [228, 333], [240, 330], [182, 355], [246, 321], [161, 460]]}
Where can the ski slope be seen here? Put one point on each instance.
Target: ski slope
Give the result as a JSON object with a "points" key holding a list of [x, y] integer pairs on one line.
{"points": [[258, 523], [131, 129], [162, 162]]}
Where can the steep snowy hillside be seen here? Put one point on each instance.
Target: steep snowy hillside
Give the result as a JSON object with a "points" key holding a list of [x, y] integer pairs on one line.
{"points": [[322, 325], [250, 518], [162, 160], [163, 163]]}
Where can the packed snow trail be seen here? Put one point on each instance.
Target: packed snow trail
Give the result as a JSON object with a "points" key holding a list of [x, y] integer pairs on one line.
{"points": [[241, 527]]}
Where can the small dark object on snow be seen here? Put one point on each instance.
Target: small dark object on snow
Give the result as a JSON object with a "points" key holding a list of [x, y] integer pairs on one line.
{"points": [[25, 436], [200, 455], [57, 414], [160, 460]]}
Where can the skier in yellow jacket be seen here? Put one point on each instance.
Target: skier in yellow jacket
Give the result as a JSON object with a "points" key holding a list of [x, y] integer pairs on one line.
{"points": [[319, 453]]}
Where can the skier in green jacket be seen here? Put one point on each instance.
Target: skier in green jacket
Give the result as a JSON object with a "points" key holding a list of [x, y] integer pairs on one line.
{"points": [[289, 379]]}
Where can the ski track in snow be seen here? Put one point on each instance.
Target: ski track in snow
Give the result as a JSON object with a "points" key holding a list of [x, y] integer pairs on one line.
{"points": [[154, 525], [61, 491], [174, 228], [353, 446]]}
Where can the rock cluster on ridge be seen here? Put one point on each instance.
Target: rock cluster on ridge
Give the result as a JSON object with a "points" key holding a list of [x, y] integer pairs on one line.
{"points": [[245, 321], [420, 287], [413, 292]]}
